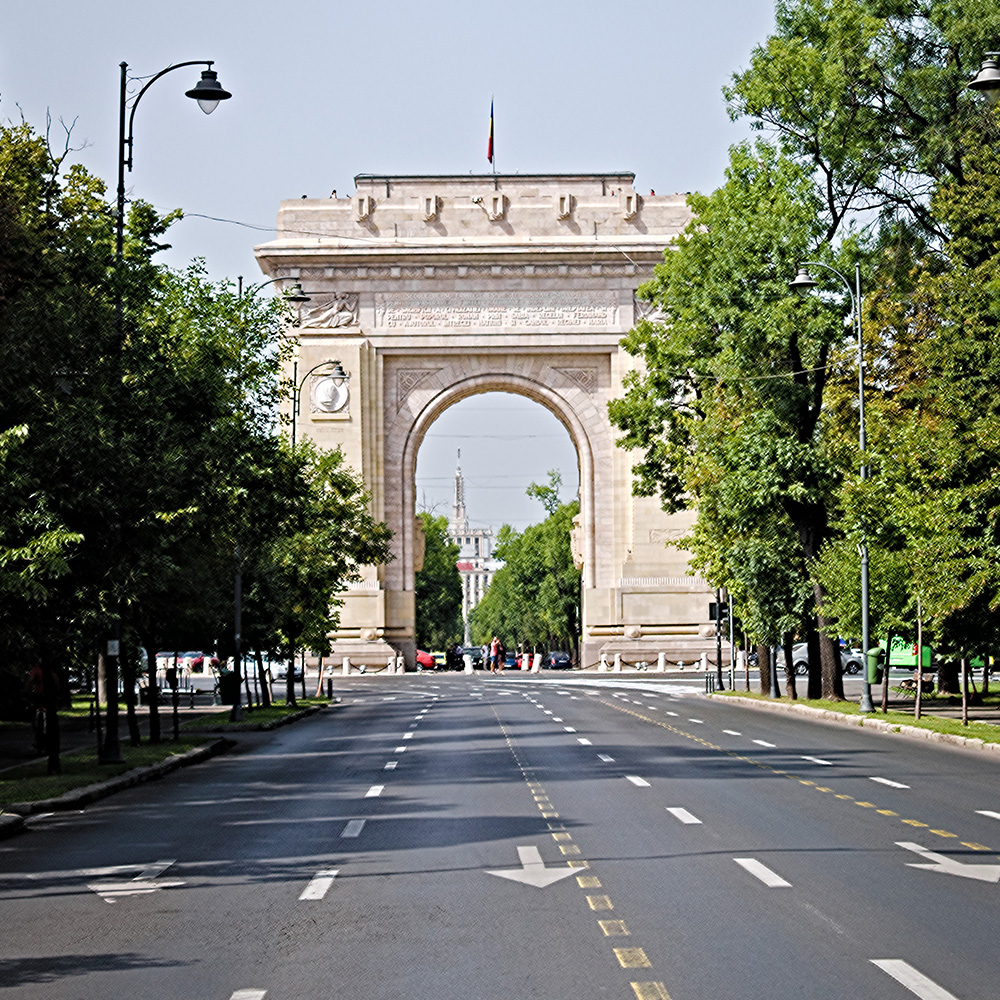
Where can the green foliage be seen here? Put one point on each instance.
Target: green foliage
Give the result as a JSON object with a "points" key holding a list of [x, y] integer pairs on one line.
{"points": [[534, 598], [547, 494], [438, 587]]}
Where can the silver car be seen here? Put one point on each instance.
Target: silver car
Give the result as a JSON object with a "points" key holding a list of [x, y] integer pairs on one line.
{"points": [[850, 659]]}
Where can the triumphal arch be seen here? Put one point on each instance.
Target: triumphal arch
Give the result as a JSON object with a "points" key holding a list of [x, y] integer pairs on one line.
{"points": [[428, 289]]}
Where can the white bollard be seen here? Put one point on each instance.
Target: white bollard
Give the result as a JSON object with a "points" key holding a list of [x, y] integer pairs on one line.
{"points": [[347, 665], [467, 660], [603, 665], [400, 663], [704, 662], [661, 662], [390, 667], [536, 663], [618, 663]]}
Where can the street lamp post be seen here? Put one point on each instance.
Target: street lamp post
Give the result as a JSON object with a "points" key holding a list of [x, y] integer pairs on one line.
{"points": [[207, 92], [803, 283], [339, 376]]}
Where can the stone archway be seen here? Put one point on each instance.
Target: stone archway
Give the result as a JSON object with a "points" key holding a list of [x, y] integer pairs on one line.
{"points": [[430, 289]]}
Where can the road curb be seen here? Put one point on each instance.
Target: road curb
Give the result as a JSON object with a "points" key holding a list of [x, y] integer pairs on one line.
{"points": [[12, 820], [863, 722]]}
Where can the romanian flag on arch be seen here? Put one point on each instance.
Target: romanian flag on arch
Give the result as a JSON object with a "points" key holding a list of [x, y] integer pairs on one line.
{"points": [[489, 147]]}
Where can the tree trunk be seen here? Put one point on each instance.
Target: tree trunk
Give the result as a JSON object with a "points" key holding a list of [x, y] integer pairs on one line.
{"points": [[290, 679], [127, 661], [814, 687], [948, 677], [265, 688], [50, 689], [789, 667], [764, 669], [829, 652], [149, 641]]}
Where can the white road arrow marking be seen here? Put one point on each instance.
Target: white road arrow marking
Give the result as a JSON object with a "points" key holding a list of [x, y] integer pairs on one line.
{"points": [[916, 982], [950, 866], [533, 870], [140, 885]]}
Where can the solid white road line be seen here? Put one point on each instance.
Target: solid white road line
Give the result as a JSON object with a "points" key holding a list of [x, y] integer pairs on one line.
{"points": [[682, 814], [320, 884], [764, 743], [605, 758], [886, 781], [916, 982], [728, 732], [353, 828], [391, 766], [374, 792], [819, 760], [771, 879], [248, 995], [584, 742], [636, 780], [987, 812]]}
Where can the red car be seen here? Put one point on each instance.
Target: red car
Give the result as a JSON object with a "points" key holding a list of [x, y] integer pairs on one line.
{"points": [[425, 661]]}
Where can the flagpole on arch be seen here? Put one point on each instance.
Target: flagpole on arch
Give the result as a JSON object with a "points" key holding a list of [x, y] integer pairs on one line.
{"points": [[489, 147]]}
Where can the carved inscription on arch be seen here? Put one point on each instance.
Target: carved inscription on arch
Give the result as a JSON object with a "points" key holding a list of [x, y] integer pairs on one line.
{"points": [[496, 310]]}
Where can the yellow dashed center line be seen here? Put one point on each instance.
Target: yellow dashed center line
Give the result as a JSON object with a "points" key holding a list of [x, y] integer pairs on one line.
{"points": [[650, 991], [632, 958], [785, 774], [613, 928]]}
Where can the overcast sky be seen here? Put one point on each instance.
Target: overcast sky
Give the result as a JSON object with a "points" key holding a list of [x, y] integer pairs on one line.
{"points": [[323, 91]]}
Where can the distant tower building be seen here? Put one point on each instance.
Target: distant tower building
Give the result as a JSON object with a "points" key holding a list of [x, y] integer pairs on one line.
{"points": [[476, 564]]}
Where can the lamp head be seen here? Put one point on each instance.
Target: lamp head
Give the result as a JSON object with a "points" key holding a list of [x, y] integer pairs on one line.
{"points": [[296, 294], [208, 91], [338, 374], [803, 283], [987, 79]]}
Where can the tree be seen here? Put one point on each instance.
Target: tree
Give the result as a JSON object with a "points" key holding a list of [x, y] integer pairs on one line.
{"points": [[871, 97], [534, 598], [728, 408], [438, 587]]}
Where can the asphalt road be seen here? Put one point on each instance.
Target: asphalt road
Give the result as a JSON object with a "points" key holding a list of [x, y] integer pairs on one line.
{"points": [[504, 838]]}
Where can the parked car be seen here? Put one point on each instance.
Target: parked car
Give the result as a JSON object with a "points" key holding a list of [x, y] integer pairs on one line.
{"points": [[476, 652], [279, 671], [557, 660], [425, 661], [850, 659]]}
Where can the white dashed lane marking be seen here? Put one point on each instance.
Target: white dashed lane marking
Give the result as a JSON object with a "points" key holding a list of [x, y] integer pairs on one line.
{"points": [[683, 815], [248, 995], [764, 743], [586, 742], [886, 781], [728, 732], [916, 982], [374, 792], [391, 766], [320, 884], [409, 736], [759, 870], [569, 729], [353, 828], [699, 722], [400, 750], [819, 760], [605, 758], [636, 780]]}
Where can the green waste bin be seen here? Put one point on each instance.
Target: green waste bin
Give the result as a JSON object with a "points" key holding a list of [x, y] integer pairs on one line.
{"points": [[876, 657], [227, 687]]}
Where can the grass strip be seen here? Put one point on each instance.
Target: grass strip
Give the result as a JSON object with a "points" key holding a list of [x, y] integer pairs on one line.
{"points": [[986, 731], [30, 783], [257, 717]]}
